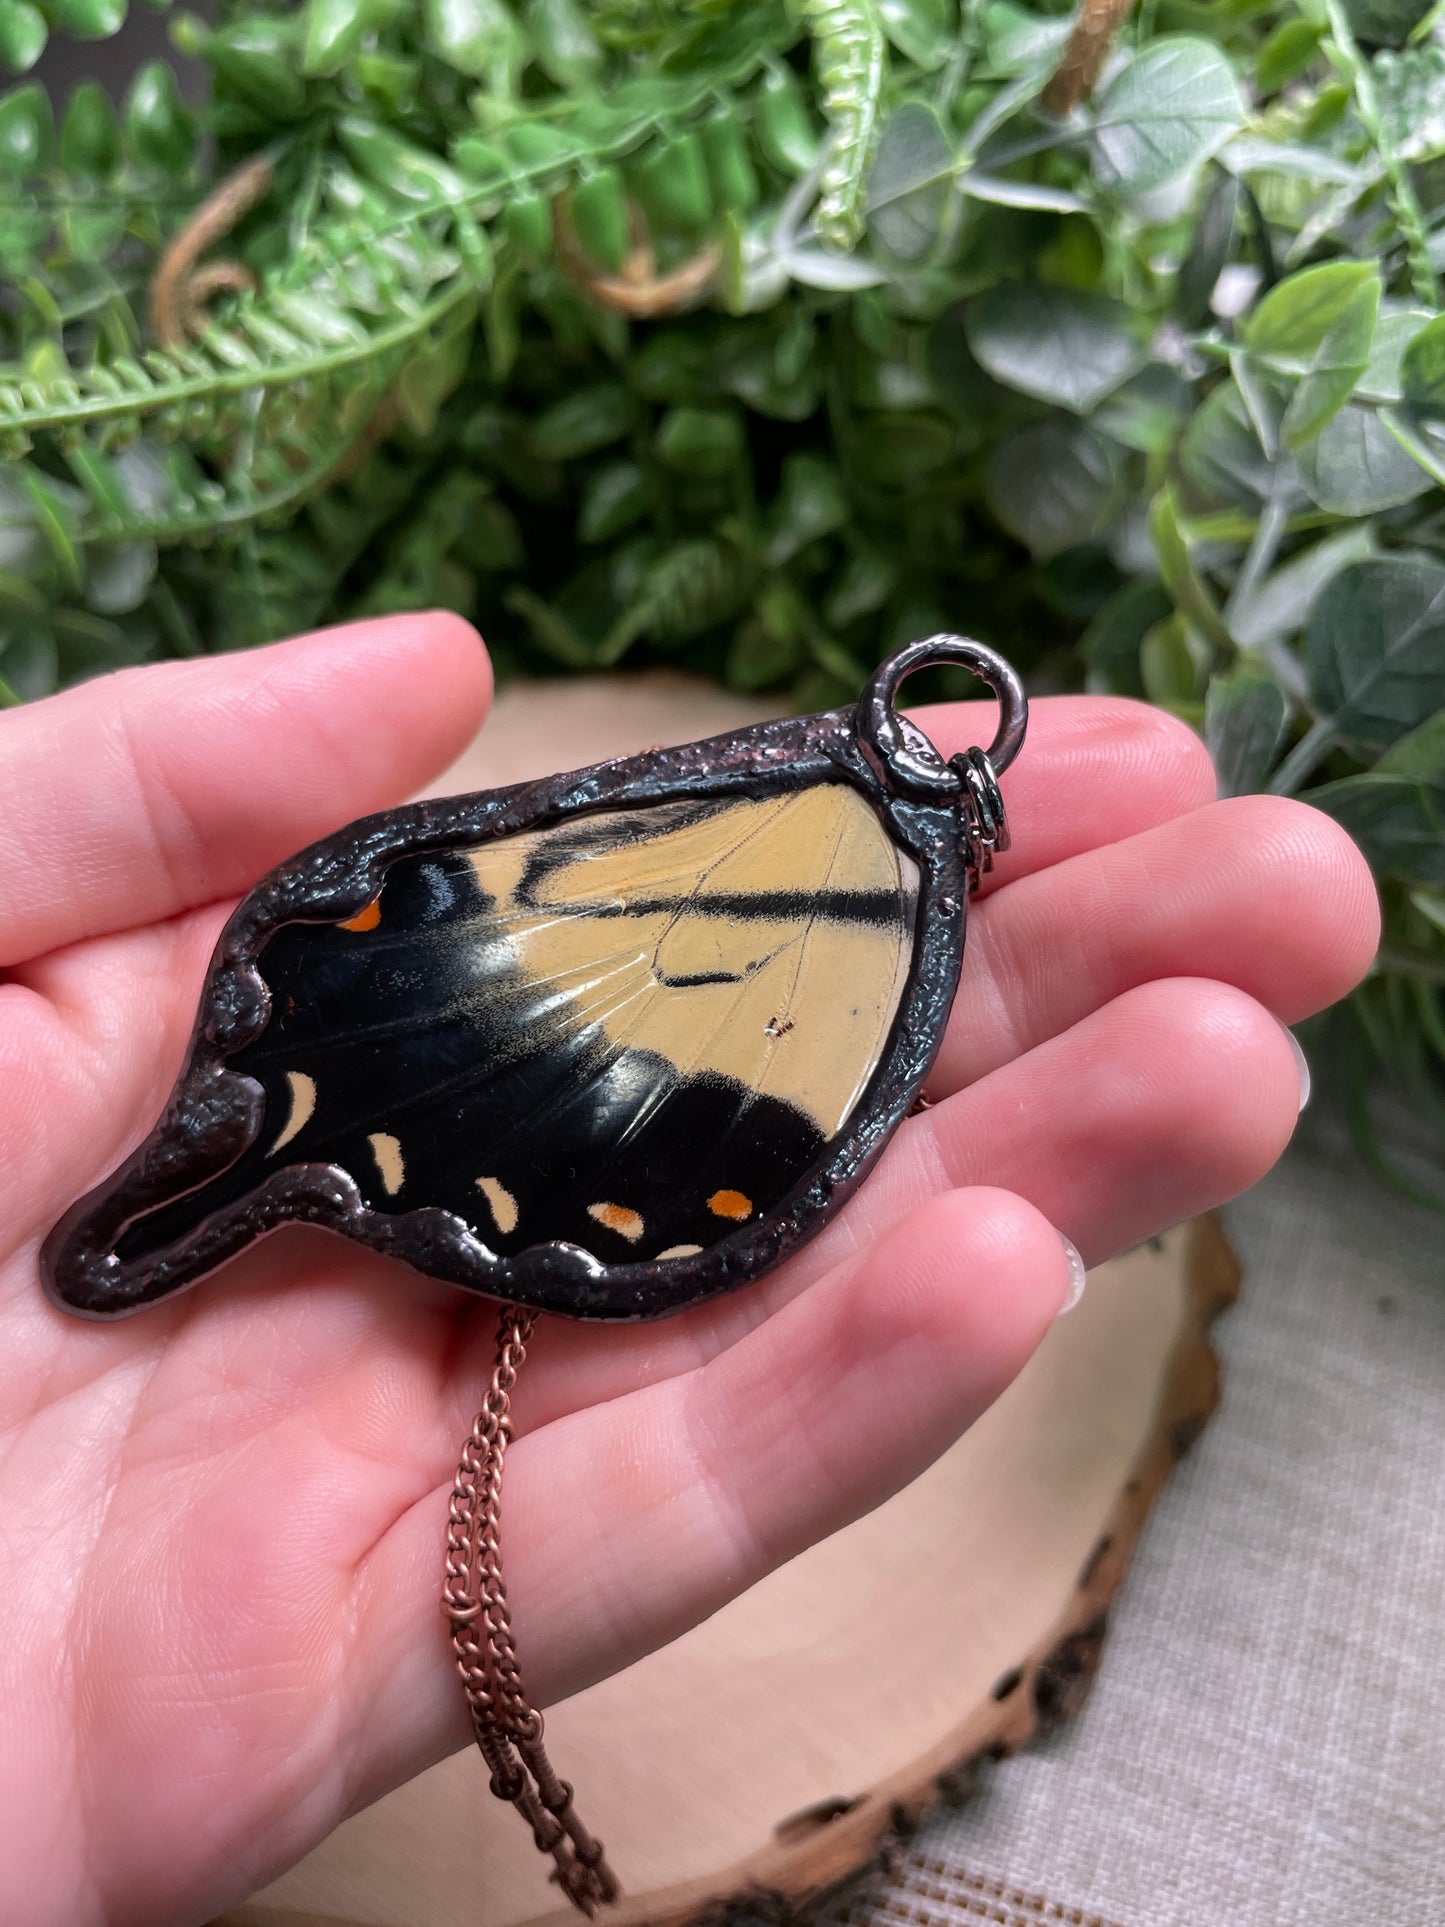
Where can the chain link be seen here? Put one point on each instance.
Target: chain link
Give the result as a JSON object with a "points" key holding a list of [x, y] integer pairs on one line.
{"points": [[507, 1729]]}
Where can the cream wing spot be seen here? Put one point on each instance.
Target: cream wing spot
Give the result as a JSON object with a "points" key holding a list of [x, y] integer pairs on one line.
{"points": [[627, 1224], [680, 1251], [303, 1104], [502, 1204], [390, 1165]]}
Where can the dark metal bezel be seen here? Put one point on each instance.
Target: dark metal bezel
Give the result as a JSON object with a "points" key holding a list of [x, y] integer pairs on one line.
{"points": [[214, 1114]]}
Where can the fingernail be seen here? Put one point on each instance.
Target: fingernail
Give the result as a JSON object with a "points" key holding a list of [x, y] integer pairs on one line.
{"points": [[1302, 1065], [1077, 1276]]}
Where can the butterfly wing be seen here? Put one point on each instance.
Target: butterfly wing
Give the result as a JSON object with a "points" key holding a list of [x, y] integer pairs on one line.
{"points": [[634, 1032]]}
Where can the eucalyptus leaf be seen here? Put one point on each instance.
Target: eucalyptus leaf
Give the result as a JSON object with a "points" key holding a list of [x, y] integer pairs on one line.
{"points": [[1049, 485], [1420, 753], [1398, 821], [1355, 466], [1278, 606], [1111, 643], [1422, 371], [1375, 649], [922, 30], [1191, 595], [1069, 348], [1148, 412], [909, 182], [1170, 107], [119, 577], [1397, 326], [29, 660], [1221, 457], [1019, 42], [1315, 330], [1246, 716], [1210, 248]]}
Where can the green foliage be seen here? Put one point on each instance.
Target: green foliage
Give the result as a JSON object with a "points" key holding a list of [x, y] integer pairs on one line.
{"points": [[764, 334]]}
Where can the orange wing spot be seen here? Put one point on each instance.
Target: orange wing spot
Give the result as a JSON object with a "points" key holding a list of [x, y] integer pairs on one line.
{"points": [[627, 1224], [366, 919], [730, 1204]]}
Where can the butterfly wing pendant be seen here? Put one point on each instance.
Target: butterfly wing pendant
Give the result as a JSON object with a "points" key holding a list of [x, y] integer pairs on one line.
{"points": [[603, 1045]]}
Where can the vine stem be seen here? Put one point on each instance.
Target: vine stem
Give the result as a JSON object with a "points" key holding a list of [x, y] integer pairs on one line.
{"points": [[1310, 750], [1084, 53], [1403, 198], [1263, 547]]}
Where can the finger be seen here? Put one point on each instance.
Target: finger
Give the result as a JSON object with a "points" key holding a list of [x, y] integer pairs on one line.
{"points": [[1163, 1104], [1092, 770], [142, 794], [1259, 892], [91, 1041], [1097, 768], [629, 1522]]}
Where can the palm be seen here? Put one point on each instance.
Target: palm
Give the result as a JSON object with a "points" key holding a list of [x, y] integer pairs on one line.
{"points": [[222, 1519]]}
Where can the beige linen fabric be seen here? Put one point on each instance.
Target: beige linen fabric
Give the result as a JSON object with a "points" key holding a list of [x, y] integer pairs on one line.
{"points": [[1265, 1746]]}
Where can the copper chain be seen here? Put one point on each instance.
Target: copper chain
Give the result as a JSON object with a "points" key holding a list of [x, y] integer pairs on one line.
{"points": [[507, 1728]]}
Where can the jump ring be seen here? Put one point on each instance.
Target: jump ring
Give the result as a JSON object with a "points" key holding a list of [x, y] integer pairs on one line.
{"points": [[905, 753]]}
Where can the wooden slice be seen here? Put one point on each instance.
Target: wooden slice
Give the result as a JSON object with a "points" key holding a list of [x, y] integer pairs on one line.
{"points": [[781, 1744]]}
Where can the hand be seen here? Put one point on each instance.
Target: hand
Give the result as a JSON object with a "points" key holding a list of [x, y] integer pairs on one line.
{"points": [[221, 1522]]}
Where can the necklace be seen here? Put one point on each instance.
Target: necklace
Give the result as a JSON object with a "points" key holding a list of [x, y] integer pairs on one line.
{"points": [[602, 1046]]}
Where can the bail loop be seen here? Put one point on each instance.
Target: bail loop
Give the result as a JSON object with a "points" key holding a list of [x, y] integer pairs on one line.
{"points": [[906, 757]]}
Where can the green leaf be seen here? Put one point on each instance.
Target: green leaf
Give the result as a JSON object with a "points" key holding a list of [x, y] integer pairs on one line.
{"points": [[1167, 666], [1111, 643], [89, 19], [476, 37], [1210, 249], [1055, 343], [1223, 461], [1385, 23], [583, 422], [563, 41], [1191, 595], [1050, 485], [120, 574], [1286, 54], [1357, 467], [332, 32], [1019, 42], [898, 451], [1419, 754], [23, 34], [1422, 374], [614, 498], [1384, 376], [1397, 820], [1148, 412], [1410, 87], [908, 183], [29, 661], [706, 442], [1375, 650], [1315, 329], [1245, 719], [810, 504], [1279, 606], [1168, 109], [922, 30]]}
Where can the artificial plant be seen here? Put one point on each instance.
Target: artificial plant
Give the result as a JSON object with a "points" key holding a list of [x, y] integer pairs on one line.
{"points": [[760, 336]]}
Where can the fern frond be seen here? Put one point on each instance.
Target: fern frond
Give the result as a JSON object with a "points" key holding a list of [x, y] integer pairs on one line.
{"points": [[850, 54], [362, 292]]}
